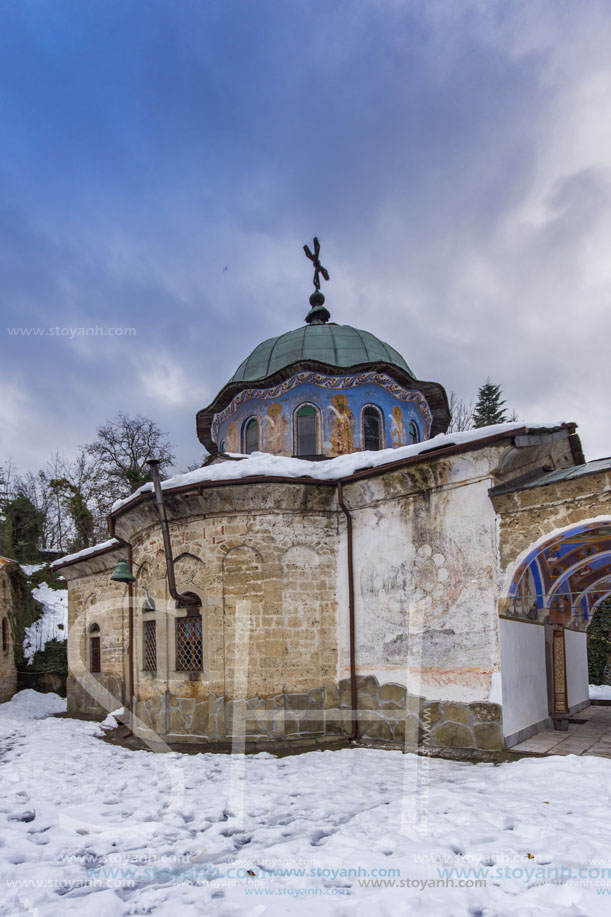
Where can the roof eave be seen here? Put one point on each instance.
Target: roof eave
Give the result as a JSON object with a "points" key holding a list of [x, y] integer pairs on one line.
{"points": [[60, 564], [425, 455]]}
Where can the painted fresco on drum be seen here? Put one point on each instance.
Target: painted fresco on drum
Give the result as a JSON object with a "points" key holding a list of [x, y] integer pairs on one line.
{"points": [[349, 412]]}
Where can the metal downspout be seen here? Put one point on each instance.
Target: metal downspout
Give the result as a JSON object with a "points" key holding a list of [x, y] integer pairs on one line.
{"points": [[353, 700], [130, 636], [187, 599]]}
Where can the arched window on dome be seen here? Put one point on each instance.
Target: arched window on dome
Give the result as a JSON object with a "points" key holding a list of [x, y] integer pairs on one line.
{"points": [[306, 423], [251, 436], [373, 428], [414, 435]]}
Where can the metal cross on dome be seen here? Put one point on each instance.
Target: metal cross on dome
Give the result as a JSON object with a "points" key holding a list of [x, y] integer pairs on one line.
{"points": [[315, 259]]}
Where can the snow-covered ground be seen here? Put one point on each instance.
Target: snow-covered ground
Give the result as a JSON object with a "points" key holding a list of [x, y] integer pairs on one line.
{"points": [[600, 692], [93, 829], [52, 624]]}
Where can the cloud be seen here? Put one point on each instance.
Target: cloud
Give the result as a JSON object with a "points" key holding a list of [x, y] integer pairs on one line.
{"points": [[163, 169]]}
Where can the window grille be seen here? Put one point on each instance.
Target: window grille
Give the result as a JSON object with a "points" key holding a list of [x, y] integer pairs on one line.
{"points": [[189, 654], [149, 646]]}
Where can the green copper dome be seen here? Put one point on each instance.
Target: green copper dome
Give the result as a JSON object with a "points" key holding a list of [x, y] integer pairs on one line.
{"points": [[337, 345]]}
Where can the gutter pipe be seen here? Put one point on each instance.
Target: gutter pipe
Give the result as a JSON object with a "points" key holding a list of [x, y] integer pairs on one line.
{"points": [[188, 599], [130, 638], [353, 699]]}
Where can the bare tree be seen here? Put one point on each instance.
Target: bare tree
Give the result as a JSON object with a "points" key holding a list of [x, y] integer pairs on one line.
{"points": [[7, 478], [121, 450], [36, 488], [461, 414]]}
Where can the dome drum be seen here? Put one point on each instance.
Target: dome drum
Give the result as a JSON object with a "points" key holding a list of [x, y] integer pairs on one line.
{"points": [[314, 415]]}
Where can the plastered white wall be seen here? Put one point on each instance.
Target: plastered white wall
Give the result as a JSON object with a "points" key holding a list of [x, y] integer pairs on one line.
{"points": [[424, 578], [575, 649], [523, 673]]}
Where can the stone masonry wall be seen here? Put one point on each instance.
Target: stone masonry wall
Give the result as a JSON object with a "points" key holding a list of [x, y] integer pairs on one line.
{"points": [[266, 574], [8, 672], [94, 599], [385, 712]]}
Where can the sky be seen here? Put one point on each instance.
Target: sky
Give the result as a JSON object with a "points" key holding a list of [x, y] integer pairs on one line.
{"points": [[162, 163]]}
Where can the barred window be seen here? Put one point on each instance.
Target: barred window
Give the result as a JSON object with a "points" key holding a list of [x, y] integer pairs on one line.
{"points": [[189, 655], [149, 646], [95, 653]]}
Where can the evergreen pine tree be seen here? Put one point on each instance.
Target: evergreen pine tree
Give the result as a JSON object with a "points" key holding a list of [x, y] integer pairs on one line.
{"points": [[489, 406], [599, 644], [21, 529]]}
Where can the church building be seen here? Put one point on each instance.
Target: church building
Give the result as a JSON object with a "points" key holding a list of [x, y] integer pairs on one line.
{"points": [[341, 566]]}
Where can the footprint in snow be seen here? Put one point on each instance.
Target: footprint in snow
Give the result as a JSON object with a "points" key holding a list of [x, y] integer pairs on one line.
{"points": [[242, 841], [318, 837], [27, 816]]}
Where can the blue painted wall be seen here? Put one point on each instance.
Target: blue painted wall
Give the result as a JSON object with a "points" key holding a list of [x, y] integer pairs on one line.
{"points": [[339, 404]]}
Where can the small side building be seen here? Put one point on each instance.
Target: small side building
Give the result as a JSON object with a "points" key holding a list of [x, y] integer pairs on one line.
{"points": [[8, 670]]}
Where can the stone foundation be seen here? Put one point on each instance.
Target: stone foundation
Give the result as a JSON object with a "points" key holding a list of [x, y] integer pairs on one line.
{"points": [[44, 682], [8, 685], [94, 694], [385, 712]]}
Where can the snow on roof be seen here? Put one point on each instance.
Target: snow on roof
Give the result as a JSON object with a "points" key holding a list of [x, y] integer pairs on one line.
{"points": [[86, 552], [262, 464]]}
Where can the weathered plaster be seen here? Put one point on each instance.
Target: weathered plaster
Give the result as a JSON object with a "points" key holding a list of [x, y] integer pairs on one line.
{"points": [[424, 549]]}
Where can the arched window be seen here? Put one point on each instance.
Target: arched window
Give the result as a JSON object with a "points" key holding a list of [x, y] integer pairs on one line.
{"points": [[95, 654], [414, 435], [222, 449], [251, 436], [307, 430], [5, 635], [373, 431]]}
